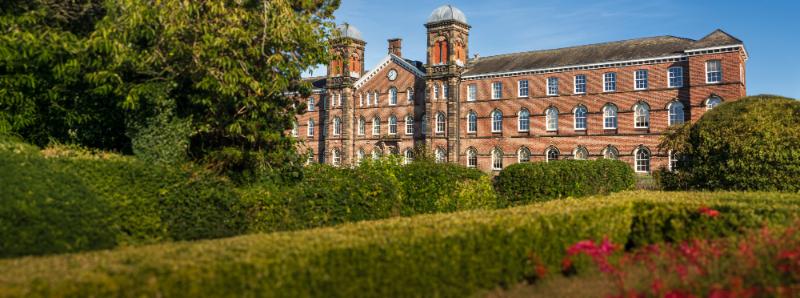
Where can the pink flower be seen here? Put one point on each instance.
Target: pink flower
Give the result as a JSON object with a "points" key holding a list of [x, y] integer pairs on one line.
{"points": [[708, 211]]}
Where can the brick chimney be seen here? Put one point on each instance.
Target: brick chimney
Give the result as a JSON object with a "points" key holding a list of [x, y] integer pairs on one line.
{"points": [[394, 46]]}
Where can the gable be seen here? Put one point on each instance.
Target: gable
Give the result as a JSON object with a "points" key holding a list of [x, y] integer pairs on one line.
{"points": [[391, 61]]}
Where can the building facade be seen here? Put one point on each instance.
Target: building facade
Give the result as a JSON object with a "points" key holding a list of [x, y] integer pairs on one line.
{"points": [[608, 100]]}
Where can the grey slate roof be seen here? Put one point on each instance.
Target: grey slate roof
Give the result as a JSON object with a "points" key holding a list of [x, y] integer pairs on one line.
{"points": [[447, 13], [317, 82], [649, 47]]}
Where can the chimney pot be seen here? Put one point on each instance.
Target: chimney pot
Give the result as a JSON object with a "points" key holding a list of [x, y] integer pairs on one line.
{"points": [[395, 45]]}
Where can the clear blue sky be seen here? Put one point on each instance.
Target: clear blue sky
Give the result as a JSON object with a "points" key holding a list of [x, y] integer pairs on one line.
{"points": [[769, 29]]}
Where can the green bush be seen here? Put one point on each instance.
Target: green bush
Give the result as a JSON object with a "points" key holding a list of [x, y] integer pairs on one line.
{"points": [[748, 144], [542, 181], [425, 183], [441, 255]]}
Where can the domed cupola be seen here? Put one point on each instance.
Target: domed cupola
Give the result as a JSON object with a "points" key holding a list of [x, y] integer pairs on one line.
{"points": [[349, 31], [447, 13]]}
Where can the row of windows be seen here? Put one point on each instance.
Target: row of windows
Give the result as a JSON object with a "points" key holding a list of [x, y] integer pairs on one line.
{"points": [[641, 156], [371, 99], [675, 79]]}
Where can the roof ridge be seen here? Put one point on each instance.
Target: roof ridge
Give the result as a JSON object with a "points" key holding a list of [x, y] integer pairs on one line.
{"points": [[586, 45]]}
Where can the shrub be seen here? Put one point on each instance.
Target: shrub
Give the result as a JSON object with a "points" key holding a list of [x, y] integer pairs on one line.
{"points": [[749, 144], [442, 255], [542, 181], [426, 183]]}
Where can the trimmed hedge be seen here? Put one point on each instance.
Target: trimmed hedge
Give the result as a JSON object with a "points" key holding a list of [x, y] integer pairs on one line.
{"points": [[542, 181], [442, 255]]}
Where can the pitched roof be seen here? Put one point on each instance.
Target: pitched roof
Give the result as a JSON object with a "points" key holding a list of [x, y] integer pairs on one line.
{"points": [[649, 47], [317, 82]]}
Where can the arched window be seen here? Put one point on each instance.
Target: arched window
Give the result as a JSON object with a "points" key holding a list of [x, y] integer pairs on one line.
{"points": [[376, 153], [337, 157], [441, 157], [523, 155], [642, 160], [392, 96], [581, 153], [310, 104], [424, 125], [497, 121], [472, 122], [713, 102], [676, 113], [376, 126], [360, 155], [409, 125], [440, 122], [580, 118], [408, 156], [497, 159], [337, 126], [523, 120], [551, 154], [410, 95], [641, 115], [310, 128], [362, 126], [609, 117], [551, 119], [472, 158], [610, 152], [392, 125]]}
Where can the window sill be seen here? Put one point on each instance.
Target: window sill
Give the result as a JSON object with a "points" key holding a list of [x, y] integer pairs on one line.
{"points": [[579, 93]]}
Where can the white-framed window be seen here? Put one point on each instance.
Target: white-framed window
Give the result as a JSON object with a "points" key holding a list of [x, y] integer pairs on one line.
{"points": [[497, 90], [610, 152], [392, 125], [410, 95], [497, 159], [408, 156], [497, 121], [337, 157], [393, 96], [369, 99], [310, 157], [337, 126], [376, 153], [472, 122], [713, 102], [440, 122], [641, 115], [523, 155], [609, 117], [472, 158], [673, 160], [325, 101], [376, 98], [376, 126], [441, 155], [361, 126], [311, 104], [522, 88], [339, 100], [310, 128], [551, 119], [445, 91], [676, 113], [435, 91], [642, 156], [580, 84], [552, 86], [551, 154], [675, 77], [713, 71], [472, 92], [523, 120], [580, 118], [610, 82], [409, 125], [360, 155], [424, 125], [294, 129], [640, 79], [361, 99], [580, 153]]}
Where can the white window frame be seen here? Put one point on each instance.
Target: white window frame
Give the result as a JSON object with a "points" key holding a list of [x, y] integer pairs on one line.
{"points": [[409, 125], [522, 88], [497, 90], [472, 92], [607, 109], [441, 122], [582, 151], [472, 126], [311, 104], [550, 150], [611, 152], [336, 159], [675, 79], [361, 99], [294, 129], [310, 128], [551, 119], [440, 155], [645, 166], [710, 72], [408, 156], [576, 118], [375, 98], [637, 113], [369, 98], [497, 124], [435, 91], [610, 80], [524, 151], [673, 117], [392, 125], [362, 123], [523, 120], [552, 86], [472, 158], [708, 102], [577, 83], [445, 91], [640, 81], [360, 154], [393, 96], [337, 126], [497, 159], [376, 126]]}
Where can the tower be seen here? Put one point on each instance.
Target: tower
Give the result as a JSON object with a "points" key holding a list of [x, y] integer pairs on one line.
{"points": [[346, 67], [448, 49]]}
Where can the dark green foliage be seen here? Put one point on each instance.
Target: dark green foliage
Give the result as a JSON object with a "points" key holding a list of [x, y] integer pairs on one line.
{"points": [[441, 255], [542, 181], [748, 144], [164, 141]]}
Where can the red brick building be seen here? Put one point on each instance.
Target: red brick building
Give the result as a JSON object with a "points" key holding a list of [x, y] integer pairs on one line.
{"points": [[608, 100]]}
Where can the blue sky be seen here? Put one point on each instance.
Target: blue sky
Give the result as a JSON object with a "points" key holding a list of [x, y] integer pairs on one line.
{"points": [[769, 29]]}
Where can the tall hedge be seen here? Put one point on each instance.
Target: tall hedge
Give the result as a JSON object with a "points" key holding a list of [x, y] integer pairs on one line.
{"points": [[748, 144], [542, 181], [425, 183]]}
